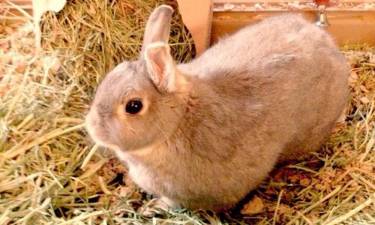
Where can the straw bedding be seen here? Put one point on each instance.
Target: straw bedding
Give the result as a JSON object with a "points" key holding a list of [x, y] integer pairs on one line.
{"points": [[51, 173]]}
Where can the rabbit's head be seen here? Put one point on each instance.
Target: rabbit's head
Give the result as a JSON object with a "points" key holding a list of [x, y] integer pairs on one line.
{"points": [[139, 103]]}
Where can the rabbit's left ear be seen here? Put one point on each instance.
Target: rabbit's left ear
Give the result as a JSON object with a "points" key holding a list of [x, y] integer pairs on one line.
{"points": [[160, 66]]}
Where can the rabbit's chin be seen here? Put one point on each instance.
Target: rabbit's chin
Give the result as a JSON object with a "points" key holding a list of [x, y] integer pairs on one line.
{"points": [[121, 152], [104, 144], [124, 154]]}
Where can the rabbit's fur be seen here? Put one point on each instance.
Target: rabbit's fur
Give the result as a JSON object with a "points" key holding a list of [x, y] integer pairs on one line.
{"points": [[211, 130]]}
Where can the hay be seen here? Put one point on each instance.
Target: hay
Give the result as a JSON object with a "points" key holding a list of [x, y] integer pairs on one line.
{"points": [[50, 172]]}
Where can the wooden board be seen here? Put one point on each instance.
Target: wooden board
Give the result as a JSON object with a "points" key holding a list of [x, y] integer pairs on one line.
{"points": [[351, 21], [197, 17], [246, 1], [346, 27], [290, 5]]}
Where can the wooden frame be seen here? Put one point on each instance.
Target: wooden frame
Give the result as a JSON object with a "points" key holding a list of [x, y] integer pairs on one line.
{"points": [[347, 26], [197, 17]]}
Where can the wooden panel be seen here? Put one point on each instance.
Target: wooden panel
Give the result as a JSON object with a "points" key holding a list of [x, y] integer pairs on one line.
{"points": [[284, 5], [247, 1], [197, 17], [346, 27], [255, 1]]}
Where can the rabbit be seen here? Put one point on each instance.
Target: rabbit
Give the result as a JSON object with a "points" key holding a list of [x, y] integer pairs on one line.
{"points": [[203, 134]]}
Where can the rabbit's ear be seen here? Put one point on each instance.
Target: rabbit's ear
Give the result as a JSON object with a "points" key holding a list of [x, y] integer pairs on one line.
{"points": [[158, 26], [160, 66]]}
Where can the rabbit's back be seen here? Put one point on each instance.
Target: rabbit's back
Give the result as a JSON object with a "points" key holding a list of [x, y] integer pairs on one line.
{"points": [[294, 69], [256, 45]]}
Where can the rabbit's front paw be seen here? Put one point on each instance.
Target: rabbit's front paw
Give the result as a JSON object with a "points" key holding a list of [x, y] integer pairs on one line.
{"points": [[156, 206]]}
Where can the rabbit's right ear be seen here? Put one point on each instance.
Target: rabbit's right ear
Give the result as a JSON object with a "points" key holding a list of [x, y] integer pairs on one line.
{"points": [[155, 49], [158, 26], [161, 67]]}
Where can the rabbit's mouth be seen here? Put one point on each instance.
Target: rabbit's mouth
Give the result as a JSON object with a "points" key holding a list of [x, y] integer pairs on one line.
{"points": [[120, 152], [97, 138]]}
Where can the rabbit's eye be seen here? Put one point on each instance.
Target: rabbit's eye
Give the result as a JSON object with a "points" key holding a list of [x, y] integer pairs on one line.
{"points": [[134, 106]]}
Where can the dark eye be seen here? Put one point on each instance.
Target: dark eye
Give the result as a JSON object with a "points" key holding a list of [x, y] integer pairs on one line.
{"points": [[134, 106]]}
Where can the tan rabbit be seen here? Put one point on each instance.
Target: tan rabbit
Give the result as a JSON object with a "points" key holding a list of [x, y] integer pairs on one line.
{"points": [[205, 133]]}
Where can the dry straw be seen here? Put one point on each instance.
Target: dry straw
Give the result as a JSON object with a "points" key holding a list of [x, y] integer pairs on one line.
{"points": [[51, 173]]}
